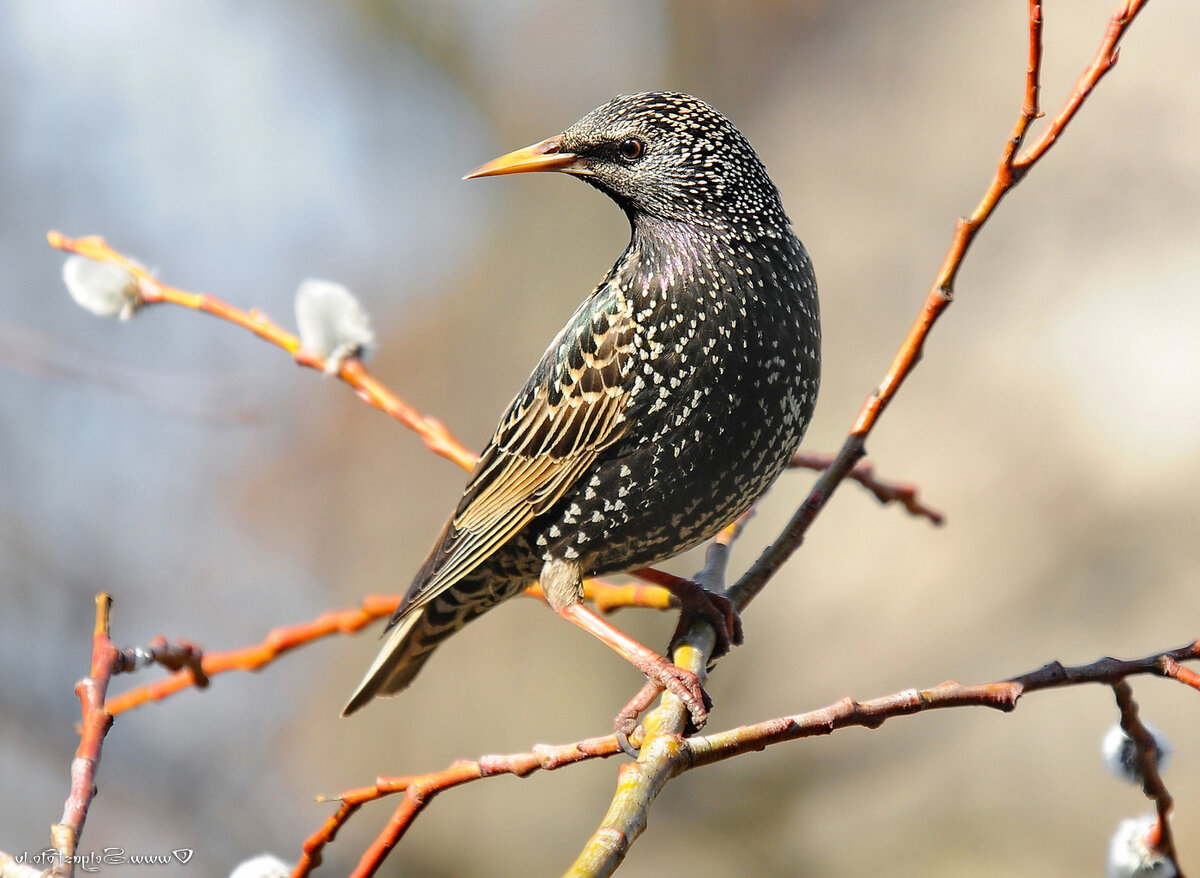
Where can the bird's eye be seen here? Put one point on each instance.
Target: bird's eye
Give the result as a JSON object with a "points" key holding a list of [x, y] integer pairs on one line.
{"points": [[630, 149]]}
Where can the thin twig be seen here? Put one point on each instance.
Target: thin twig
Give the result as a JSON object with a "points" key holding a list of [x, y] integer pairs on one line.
{"points": [[419, 790], [1106, 57], [178, 656], [905, 493], [1002, 696], [1010, 170], [153, 291], [64, 835], [278, 642], [1145, 761], [1176, 671], [193, 668]]}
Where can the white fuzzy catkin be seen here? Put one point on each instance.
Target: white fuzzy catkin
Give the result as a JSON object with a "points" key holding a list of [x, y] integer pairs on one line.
{"points": [[332, 324], [1118, 750], [104, 289], [262, 866], [1130, 857]]}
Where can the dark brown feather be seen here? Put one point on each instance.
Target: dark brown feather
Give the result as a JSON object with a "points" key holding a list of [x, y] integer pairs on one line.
{"points": [[537, 454]]}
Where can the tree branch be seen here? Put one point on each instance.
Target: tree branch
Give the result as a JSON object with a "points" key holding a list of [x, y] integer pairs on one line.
{"points": [[905, 493], [420, 789], [639, 783], [193, 667], [666, 754], [1010, 170], [435, 436], [278, 642], [64, 835], [1145, 760], [1002, 696]]}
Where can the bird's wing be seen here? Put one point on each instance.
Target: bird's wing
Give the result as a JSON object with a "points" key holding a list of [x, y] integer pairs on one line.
{"points": [[571, 409]]}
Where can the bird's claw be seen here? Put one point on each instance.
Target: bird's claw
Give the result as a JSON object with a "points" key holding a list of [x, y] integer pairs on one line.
{"points": [[717, 610], [623, 742], [680, 682], [685, 686]]}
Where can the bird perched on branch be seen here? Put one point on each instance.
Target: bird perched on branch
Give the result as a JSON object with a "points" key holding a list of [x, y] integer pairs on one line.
{"points": [[672, 398]]}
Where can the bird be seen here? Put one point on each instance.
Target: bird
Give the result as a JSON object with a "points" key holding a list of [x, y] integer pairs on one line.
{"points": [[669, 402]]}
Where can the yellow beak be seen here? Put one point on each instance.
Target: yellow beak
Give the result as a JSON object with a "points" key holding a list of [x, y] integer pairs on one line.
{"points": [[543, 156]]}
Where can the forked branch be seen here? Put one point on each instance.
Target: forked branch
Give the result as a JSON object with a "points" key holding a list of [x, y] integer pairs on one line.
{"points": [[1014, 164]]}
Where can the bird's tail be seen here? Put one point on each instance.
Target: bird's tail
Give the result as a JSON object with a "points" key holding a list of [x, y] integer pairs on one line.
{"points": [[409, 643]]}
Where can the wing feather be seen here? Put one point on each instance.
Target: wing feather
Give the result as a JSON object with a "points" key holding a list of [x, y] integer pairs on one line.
{"points": [[571, 409]]}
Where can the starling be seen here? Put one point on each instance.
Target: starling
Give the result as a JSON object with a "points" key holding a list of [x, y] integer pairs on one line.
{"points": [[670, 401]]}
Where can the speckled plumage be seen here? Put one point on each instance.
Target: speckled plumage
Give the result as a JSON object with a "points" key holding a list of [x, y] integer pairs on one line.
{"points": [[672, 398]]}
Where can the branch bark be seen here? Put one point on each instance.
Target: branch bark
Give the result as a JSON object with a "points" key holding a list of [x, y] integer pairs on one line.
{"points": [[64, 835]]}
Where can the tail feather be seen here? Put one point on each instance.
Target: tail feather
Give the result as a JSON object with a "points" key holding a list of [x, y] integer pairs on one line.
{"points": [[398, 662]]}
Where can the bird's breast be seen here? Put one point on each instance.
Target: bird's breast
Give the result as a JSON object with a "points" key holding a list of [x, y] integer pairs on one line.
{"points": [[721, 334], [722, 383]]}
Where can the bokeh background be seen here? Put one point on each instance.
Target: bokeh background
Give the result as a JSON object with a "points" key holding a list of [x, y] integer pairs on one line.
{"points": [[217, 491]]}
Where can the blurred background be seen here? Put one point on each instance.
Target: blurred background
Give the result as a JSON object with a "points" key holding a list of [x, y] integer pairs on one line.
{"points": [[217, 491]]}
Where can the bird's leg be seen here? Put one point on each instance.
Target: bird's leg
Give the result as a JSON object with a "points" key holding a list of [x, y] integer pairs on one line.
{"points": [[694, 599], [562, 583], [682, 683]]}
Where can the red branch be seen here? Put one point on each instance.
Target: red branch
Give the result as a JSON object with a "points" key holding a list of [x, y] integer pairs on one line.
{"points": [[904, 493], [703, 750], [420, 789], [179, 656], [1106, 57], [435, 436], [1001, 696], [608, 596], [106, 660], [1013, 166], [278, 642], [1176, 671], [193, 668], [1015, 163]]}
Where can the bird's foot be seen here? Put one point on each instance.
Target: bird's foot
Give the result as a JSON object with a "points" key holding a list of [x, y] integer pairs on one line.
{"points": [[681, 683], [695, 600]]}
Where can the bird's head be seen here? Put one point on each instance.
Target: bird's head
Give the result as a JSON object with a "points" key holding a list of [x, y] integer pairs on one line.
{"points": [[660, 155]]}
